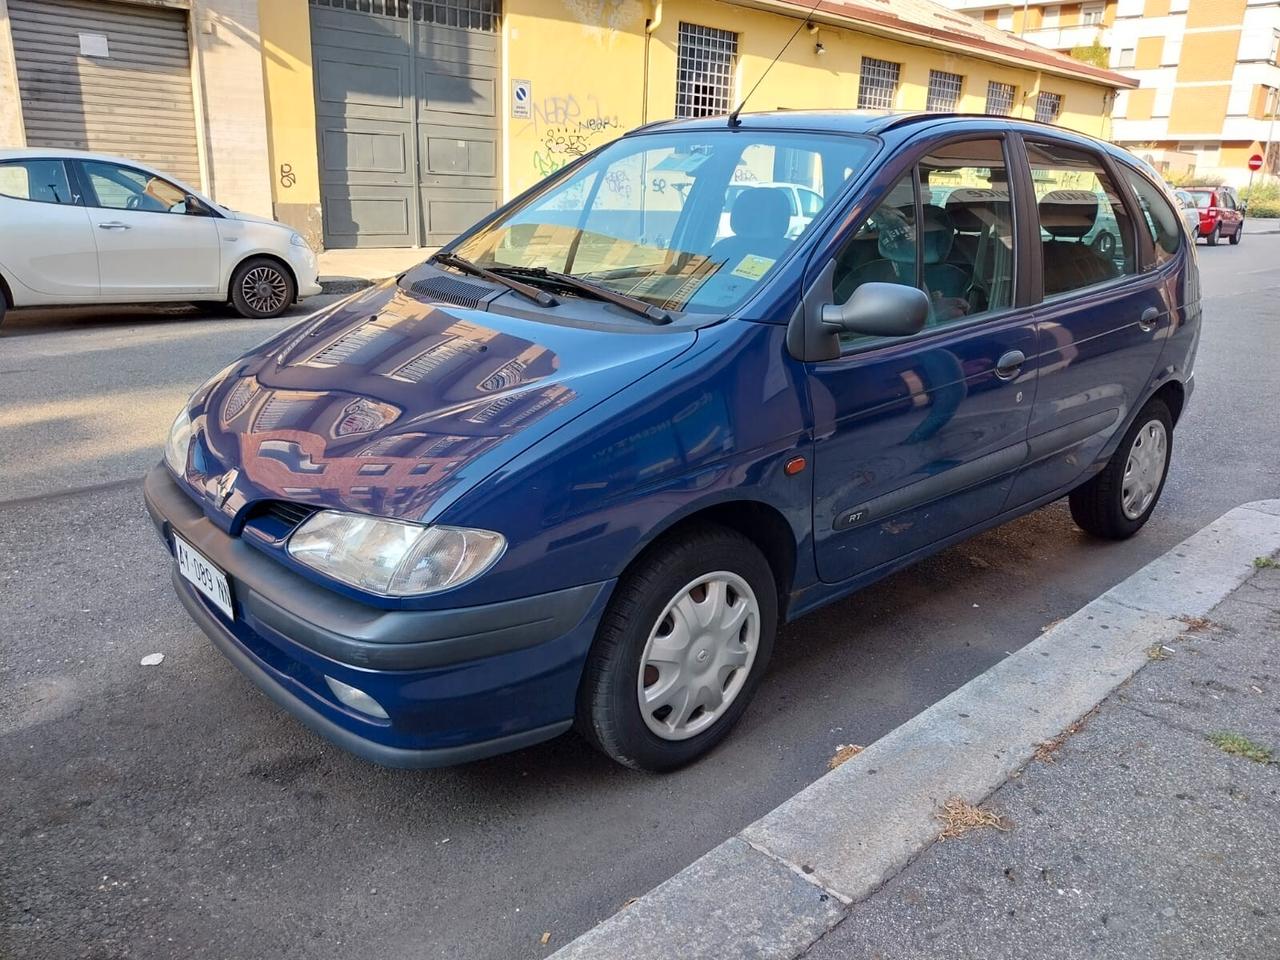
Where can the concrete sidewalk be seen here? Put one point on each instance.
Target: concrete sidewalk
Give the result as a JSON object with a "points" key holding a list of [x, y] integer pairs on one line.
{"points": [[1142, 835], [1131, 832], [345, 271]]}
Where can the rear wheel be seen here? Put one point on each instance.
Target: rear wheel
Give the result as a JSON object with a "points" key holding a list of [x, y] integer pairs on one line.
{"points": [[680, 650], [1235, 237], [261, 288], [1117, 502], [1212, 238]]}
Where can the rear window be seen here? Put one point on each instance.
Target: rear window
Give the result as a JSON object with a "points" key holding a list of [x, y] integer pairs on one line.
{"points": [[1202, 198], [44, 181]]}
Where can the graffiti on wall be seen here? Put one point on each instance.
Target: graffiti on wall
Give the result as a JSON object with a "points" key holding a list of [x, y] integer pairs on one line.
{"points": [[565, 127]]}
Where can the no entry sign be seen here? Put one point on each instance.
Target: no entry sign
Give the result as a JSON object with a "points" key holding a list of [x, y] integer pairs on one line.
{"points": [[1255, 162]]}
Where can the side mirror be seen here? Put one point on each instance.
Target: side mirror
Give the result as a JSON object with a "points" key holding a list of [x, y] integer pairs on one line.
{"points": [[195, 206], [879, 310]]}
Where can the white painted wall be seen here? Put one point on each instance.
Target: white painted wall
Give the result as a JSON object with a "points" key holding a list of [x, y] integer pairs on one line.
{"points": [[12, 133]]}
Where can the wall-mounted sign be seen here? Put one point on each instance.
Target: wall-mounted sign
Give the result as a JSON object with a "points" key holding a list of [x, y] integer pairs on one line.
{"points": [[521, 99], [94, 45]]}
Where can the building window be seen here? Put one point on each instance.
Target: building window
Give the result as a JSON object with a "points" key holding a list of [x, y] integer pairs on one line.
{"points": [[1048, 107], [705, 67], [1000, 98], [1091, 14], [1126, 57], [878, 85], [1274, 56], [1051, 15], [1004, 19], [944, 92], [1172, 52]]}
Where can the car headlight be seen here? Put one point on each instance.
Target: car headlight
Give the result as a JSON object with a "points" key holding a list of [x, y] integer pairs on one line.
{"points": [[179, 441], [295, 239], [392, 557]]}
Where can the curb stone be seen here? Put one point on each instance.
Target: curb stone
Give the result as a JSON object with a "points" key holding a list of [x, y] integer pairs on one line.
{"points": [[343, 285], [737, 900]]}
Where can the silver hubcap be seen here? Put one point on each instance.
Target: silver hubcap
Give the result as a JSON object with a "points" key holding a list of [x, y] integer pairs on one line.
{"points": [[264, 289], [698, 656], [1144, 469]]}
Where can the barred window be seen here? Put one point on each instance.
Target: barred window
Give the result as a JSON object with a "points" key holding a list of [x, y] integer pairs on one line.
{"points": [[705, 67], [465, 14], [383, 8], [878, 84], [1000, 98], [944, 92], [1048, 107]]}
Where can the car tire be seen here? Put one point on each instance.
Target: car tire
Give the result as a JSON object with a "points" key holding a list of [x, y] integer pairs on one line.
{"points": [[708, 577], [1235, 237], [1116, 503], [262, 288], [1212, 237]]}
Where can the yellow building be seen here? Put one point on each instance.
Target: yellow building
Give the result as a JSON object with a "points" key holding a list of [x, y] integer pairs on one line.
{"points": [[403, 121], [400, 122]]}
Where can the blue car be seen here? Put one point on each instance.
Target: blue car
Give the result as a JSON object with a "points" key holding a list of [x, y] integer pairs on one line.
{"points": [[575, 469]]}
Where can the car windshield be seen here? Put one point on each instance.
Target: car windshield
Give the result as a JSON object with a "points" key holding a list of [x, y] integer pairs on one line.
{"points": [[1201, 198], [683, 221]]}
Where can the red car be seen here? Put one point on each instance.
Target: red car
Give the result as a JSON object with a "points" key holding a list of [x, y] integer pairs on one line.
{"points": [[1221, 214]]}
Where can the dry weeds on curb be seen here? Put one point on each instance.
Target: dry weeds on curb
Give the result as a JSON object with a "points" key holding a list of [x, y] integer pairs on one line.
{"points": [[958, 818], [846, 751]]}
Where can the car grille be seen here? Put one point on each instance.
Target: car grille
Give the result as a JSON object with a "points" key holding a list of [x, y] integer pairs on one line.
{"points": [[278, 518]]}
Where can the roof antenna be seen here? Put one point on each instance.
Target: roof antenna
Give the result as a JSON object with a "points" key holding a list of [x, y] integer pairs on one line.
{"points": [[733, 117]]}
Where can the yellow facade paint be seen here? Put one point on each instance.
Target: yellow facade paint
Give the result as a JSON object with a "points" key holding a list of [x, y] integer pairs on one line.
{"points": [[1149, 52], [1214, 57], [1141, 103], [1215, 13], [1199, 110], [1155, 8], [291, 114], [1237, 153]]}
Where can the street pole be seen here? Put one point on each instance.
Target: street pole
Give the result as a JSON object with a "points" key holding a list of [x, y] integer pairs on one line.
{"points": [[1268, 165]]}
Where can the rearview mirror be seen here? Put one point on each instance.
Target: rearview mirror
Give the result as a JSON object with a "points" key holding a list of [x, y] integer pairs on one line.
{"points": [[879, 310]]}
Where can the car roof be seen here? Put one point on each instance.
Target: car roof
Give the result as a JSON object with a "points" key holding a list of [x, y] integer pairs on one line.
{"points": [[882, 124], [62, 153]]}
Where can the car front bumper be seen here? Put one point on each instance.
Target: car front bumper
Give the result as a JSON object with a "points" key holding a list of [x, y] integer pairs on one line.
{"points": [[457, 684]]}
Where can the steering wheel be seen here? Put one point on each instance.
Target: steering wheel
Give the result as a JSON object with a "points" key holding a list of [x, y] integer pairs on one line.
{"points": [[134, 201]]}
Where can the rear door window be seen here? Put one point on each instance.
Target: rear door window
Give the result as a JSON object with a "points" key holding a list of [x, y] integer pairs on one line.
{"points": [[1086, 231], [41, 181]]}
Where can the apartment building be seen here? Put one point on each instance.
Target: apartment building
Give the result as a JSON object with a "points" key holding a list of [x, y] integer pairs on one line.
{"points": [[1207, 84], [1066, 27]]}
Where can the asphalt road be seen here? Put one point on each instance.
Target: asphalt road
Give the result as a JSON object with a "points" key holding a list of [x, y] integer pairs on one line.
{"points": [[172, 811]]}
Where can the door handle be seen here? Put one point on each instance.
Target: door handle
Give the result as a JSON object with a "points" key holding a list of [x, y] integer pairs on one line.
{"points": [[1147, 322], [1007, 366], [113, 225]]}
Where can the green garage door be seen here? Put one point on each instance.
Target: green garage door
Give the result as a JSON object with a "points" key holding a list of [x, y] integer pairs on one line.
{"points": [[407, 118], [109, 77]]}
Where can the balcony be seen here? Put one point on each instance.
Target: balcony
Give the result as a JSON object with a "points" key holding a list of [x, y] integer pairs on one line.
{"points": [[1064, 38]]}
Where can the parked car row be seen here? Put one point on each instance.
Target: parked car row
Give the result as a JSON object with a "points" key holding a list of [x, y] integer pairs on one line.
{"points": [[81, 228], [1215, 212]]}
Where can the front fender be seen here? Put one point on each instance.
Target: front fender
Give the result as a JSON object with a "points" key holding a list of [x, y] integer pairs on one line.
{"points": [[712, 427]]}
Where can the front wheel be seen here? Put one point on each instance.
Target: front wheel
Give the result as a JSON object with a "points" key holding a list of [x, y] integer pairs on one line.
{"points": [[1117, 502], [261, 288], [680, 650], [1235, 237]]}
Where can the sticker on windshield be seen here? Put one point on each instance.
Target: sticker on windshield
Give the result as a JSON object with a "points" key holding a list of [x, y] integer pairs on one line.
{"points": [[752, 267]]}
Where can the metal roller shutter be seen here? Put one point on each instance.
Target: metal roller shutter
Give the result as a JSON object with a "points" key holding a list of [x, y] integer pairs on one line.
{"points": [[134, 102]]}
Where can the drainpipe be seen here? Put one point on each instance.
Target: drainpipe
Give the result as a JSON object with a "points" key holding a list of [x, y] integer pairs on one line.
{"points": [[650, 25]]}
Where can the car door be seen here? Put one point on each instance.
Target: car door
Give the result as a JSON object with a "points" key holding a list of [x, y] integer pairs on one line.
{"points": [[1101, 322], [1232, 218], [919, 438], [150, 245], [46, 240]]}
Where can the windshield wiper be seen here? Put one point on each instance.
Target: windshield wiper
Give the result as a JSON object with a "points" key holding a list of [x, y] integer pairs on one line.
{"points": [[540, 297], [648, 311]]}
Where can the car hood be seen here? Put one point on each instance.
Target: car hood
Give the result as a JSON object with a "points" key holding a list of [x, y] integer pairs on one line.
{"points": [[395, 406], [254, 218]]}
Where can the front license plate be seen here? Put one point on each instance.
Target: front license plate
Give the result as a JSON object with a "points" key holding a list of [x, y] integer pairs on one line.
{"points": [[207, 578]]}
